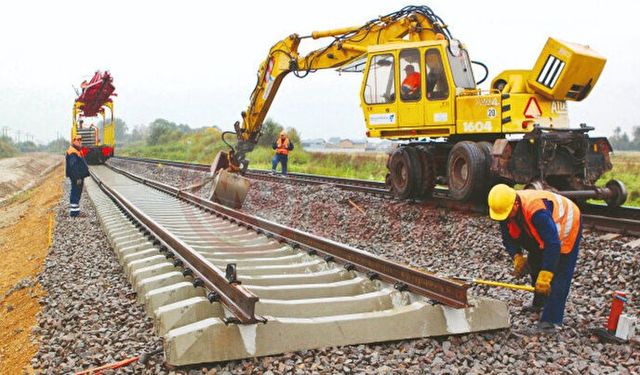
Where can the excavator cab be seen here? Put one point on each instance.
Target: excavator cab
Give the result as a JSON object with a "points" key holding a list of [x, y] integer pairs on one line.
{"points": [[409, 88]]}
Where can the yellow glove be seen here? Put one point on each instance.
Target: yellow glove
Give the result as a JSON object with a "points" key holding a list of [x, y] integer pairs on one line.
{"points": [[543, 283], [519, 265]]}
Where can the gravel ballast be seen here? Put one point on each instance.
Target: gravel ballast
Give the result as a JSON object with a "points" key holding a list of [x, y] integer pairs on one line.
{"points": [[439, 240], [89, 316]]}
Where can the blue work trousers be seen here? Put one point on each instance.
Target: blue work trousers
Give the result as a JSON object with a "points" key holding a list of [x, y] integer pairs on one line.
{"points": [[553, 311], [74, 198], [282, 159]]}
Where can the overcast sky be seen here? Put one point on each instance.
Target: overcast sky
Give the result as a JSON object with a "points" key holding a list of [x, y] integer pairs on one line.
{"points": [[195, 62]]}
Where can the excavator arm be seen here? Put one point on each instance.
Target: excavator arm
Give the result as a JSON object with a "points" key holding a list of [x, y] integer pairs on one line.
{"points": [[416, 23]]}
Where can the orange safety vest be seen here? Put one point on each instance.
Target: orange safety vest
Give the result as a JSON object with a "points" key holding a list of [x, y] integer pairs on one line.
{"points": [[566, 216], [282, 147], [412, 82], [72, 150]]}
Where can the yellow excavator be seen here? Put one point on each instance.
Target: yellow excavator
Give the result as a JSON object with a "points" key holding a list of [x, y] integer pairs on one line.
{"points": [[419, 88]]}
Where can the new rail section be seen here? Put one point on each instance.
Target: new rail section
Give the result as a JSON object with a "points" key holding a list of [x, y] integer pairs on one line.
{"points": [[222, 284]]}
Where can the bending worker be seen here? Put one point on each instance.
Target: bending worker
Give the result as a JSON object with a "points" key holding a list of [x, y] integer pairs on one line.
{"points": [[282, 145], [549, 227], [76, 169]]}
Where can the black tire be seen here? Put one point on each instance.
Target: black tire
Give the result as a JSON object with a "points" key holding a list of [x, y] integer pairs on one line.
{"points": [[428, 167], [416, 171], [403, 167], [466, 171], [489, 180]]}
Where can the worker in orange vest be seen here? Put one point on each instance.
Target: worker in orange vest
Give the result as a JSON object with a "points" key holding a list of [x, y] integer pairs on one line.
{"points": [[549, 227], [76, 169], [282, 145], [410, 89]]}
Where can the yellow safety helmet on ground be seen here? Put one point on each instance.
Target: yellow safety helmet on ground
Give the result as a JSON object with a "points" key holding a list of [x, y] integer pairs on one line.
{"points": [[501, 200]]}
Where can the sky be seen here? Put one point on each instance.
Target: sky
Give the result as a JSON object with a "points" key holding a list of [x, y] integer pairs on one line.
{"points": [[195, 62]]}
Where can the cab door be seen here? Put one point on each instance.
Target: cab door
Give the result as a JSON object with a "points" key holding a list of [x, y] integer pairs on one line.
{"points": [[379, 92], [439, 91], [410, 73]]}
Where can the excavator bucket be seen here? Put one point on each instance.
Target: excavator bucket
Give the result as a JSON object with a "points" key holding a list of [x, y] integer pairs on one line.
{"points": [[229, 189]]}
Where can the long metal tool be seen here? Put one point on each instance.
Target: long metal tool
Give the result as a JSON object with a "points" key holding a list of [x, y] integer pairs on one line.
{"points": [[526, 288]]}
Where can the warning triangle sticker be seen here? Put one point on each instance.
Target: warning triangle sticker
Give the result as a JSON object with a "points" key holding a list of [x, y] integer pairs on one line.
{"points": [[532, 110]]}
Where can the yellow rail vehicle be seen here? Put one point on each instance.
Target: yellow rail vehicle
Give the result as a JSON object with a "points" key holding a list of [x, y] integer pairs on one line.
{"points": [[419, 89], [95, 102]]}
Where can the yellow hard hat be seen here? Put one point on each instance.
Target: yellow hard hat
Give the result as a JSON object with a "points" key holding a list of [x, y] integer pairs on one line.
{"points": [[501, 200]]}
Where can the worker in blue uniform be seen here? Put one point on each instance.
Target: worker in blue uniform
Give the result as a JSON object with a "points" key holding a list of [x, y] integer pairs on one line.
{"points": [[549, 227], [76, 169]]}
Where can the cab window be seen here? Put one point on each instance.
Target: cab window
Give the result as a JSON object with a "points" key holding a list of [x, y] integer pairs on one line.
{"points": [[410, 75], [380, 87], [436, 79]]}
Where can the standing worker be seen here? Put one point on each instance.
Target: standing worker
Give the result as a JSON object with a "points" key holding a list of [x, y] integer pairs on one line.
{"points": [[76, 169], [282, 145], [549, 227]]}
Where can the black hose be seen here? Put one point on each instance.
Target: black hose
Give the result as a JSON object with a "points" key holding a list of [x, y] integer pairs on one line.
{"points": [[225, 141], [486, 71]]}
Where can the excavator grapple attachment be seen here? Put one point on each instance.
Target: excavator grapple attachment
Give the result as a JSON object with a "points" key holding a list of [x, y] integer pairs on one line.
{"points": [[229, 189]]}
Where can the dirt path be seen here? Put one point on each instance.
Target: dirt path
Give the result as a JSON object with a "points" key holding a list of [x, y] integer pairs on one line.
{"points": [[24, 237], [16, 173]]}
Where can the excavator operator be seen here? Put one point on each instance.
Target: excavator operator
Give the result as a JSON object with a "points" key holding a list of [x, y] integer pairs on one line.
{"points": [[549, 227], [410, 89], [437, 87]]}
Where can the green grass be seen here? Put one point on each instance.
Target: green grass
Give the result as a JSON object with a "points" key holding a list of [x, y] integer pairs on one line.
{"points": [[7, 149], [626, 168], [202, 147]]}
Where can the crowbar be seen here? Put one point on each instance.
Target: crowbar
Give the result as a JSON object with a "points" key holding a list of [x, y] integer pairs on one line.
{"points": [[526, 288]]}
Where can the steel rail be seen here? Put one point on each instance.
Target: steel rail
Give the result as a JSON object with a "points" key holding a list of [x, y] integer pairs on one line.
{"points": [[624, 220], [364, 186], [240, 301], [443, 290]]}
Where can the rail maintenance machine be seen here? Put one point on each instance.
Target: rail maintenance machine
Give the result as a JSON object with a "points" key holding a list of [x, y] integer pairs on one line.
{"points": [[91, 105], [418, 87]]}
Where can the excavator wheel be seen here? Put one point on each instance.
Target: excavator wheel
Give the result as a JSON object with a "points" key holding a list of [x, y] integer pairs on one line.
{"points": [[403, 169], [489, 180], [466, 170], [428, 167], [416, 168]]}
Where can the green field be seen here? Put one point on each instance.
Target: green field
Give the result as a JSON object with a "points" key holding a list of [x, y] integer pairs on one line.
{"points": [[202, 146], [626, 168]]}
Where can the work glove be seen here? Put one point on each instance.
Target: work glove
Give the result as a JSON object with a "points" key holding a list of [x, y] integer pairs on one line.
{"points": [[519, 265], [543, 283]]}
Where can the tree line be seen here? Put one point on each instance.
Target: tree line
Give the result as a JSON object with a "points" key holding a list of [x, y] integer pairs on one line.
{"points": [[162, 131], [621, 141]]}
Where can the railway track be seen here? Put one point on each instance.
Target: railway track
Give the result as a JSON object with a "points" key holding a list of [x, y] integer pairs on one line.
{"points": [[225, 285], [615, 221]]}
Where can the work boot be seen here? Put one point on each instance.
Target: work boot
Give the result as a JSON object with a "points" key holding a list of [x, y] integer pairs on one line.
{"points": [[532, 308], [536, 305], [546, 327], [541, 328]]}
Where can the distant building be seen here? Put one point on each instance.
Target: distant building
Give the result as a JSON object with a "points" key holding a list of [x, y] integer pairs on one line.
{"points": [[334, 140], [315, 143]]}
